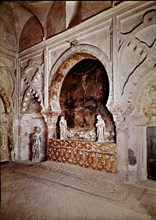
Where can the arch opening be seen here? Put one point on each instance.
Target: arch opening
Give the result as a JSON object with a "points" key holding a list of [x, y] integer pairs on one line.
{"points": [[82, 91]]}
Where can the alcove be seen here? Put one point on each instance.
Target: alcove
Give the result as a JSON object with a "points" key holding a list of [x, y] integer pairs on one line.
{"points": [[79, 91], [84, 94]]}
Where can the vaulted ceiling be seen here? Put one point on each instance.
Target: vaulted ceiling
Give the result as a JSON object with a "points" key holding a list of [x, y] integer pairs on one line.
{"points": [[26, 23]]}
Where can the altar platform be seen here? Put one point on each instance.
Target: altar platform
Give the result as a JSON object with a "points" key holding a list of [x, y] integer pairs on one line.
{"points": [[94, 155]]}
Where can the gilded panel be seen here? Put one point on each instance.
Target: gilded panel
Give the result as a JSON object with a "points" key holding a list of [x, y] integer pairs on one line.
{"points": [[90, 160], [67, 155], [98, 156], [55, 154], [78, 157], [106, 162]]}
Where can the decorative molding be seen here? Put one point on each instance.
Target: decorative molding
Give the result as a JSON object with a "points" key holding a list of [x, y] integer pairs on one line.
{"points": [[33, 79], [6, 102], [4, 142], [144, 112], [68, 59], [7, 87], [136, 44]]}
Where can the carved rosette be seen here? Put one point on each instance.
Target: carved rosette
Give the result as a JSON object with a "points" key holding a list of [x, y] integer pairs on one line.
{"points": [[63, 65]]}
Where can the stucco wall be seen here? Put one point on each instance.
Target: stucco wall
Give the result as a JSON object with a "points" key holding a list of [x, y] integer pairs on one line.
{"points": [[123, 40]]}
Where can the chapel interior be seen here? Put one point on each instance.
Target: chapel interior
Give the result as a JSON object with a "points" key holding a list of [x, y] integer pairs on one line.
{"points": [[78, 110]]}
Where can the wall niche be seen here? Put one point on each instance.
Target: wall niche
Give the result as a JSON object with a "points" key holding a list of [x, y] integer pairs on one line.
{"points": [[84, 94]]}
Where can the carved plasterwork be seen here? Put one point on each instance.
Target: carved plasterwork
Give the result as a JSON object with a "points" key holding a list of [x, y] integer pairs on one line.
{"points": [[6, 102], [132, 95], [67, 60], [146, 35], [131, 157], [136, 45], [135, 105], [7, 84], [145, 111], [87, 49], [63, 65], [59, 77], [4, 142], [132, 57], [32, 84]]}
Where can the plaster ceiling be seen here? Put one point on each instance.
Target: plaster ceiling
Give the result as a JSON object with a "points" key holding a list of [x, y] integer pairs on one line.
{"points": [[14, 16], [19, 12], [42, 18]]}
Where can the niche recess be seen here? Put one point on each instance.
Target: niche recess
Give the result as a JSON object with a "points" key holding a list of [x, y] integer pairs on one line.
{"points": [[84, 94]]}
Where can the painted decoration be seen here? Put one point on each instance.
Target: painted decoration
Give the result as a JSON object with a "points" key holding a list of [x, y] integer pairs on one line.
{"points": [[94, 155], [4, 142]]}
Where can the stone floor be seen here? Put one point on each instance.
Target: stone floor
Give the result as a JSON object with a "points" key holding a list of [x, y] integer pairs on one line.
{"points": [[57, 191]]}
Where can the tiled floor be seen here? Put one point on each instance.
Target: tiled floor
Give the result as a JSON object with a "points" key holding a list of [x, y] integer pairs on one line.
{"points": [[57, 191]]}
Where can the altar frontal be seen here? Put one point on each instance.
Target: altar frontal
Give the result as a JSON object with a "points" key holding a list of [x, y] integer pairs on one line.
{"points": [[94, 155]]}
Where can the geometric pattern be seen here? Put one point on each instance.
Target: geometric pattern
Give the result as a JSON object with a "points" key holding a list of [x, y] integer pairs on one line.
{"points": [[93, 155]]}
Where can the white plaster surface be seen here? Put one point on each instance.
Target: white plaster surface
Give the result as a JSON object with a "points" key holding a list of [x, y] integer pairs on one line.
{"points": [[124, 39]]}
